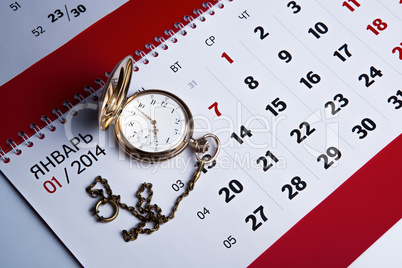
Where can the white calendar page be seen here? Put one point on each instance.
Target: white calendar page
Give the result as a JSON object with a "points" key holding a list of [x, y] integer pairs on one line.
{"points": [[43, 26], [299, 101]]}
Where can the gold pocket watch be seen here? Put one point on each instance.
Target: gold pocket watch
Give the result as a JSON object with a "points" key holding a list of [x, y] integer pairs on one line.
{"points": [[151, 125]]}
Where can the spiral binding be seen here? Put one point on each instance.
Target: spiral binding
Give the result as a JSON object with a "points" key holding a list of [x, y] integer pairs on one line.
{"points": [[14, 146], [37, 131], [48, 122], [91, 92], [180, 26], [26, 139], [200, 14], [100, 82], [162, 41], [151, 47], [143, 56], [60, 115], [210, 8], [70, 107], [152, 50], [172, 35], [190, 19], [3, 157]]}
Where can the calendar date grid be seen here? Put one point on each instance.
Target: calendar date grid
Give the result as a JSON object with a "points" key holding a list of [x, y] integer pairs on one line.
{"points": [[252, 83]]}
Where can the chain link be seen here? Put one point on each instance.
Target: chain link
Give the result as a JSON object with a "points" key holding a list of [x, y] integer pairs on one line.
{"points": [[147, 213]]}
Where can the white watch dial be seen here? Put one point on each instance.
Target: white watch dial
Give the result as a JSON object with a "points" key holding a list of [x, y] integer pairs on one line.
{"points": [[153, 122]]}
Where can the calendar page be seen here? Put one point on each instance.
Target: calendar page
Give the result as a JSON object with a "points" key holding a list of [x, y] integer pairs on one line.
{"points": [[45, 26], [301, 95]]}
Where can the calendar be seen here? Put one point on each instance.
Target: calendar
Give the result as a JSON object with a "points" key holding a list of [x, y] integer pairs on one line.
{"points": [[45, 27], [302, 94]]}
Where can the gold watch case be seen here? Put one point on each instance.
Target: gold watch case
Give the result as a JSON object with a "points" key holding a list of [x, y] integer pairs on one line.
{"points": [[114, 100]]}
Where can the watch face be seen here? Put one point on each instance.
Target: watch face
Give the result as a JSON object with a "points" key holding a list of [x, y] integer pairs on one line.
{"points": [[154, 122]]}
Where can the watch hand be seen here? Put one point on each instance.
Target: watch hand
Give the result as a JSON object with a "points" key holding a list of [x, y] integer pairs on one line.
{"points": [[153, 122], [146, 116]]}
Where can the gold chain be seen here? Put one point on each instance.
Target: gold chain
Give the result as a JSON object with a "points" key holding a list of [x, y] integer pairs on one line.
{"points": [[147, 214]]}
